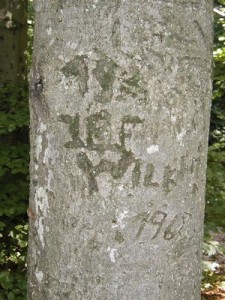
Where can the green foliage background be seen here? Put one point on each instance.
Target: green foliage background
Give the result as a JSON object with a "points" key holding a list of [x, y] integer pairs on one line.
{"points": [[14, 182], [14, 161], [14, 187], [215, 189]]}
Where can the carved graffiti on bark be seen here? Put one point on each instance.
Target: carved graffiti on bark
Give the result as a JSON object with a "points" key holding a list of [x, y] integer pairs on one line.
{"points": [[98, 139]]}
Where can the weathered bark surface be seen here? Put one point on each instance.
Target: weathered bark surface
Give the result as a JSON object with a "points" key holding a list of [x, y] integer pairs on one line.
{"points": [[13, 41], [120, 100]]}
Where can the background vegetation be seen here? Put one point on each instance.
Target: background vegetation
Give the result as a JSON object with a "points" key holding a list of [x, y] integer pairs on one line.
{"points": [[215, 196], [14, 178]]}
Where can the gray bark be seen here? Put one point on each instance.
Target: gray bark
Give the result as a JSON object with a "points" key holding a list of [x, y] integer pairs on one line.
{"points": [[120, 101]]}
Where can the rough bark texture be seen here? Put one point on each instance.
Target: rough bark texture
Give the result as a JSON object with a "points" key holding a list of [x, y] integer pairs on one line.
{"points": [[120, 101], [13, 41]]}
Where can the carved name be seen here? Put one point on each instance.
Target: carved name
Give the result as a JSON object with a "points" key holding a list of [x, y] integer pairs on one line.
{"points": [[98, 129]]}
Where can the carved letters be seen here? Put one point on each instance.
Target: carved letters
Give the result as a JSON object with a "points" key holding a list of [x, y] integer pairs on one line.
{"points": [[98, 129], [111, 83], [114, 145], [98, 139]]}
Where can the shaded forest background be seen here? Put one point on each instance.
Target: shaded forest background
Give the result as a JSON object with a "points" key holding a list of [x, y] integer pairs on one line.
{"points": [[16, 40]]}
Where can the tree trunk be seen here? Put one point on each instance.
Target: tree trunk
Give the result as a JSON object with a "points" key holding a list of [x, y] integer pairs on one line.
{"points": [[120, 101], [13, 41]]}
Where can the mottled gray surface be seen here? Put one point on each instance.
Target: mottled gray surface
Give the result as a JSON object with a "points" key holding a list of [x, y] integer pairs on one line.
{"points": [[120, 100]]}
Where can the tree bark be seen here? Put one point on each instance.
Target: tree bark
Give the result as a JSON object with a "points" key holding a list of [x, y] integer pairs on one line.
{"points": [[120, 102], [13, 41]]}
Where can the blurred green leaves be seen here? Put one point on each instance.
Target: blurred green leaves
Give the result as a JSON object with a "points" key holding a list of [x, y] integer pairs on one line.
{"points": [[215, 192], [14, 180], [14, 190]]}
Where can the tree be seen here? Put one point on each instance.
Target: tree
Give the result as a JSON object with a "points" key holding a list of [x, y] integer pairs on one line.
{"points": [[120, 101], [13, 41]]}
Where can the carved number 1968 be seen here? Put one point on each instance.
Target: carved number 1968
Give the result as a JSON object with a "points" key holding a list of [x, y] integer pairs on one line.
{"points": [[158, 219]]}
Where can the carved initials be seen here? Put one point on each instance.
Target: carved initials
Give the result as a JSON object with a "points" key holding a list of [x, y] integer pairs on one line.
{"points": [[98, 129]]}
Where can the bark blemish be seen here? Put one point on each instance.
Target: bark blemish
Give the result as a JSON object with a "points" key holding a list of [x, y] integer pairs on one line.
{"points": [[119, 221], [149, 176], [119, 237], [152, 149], [116, 34], [181, 135], [49, 31], [168, 179], [78, 68], [39, 140], [104, 72], [98, 279], [112, 254], [74, 123], [132, 84], [41, 203], [99, 130], [39, 275], [38, 146]]}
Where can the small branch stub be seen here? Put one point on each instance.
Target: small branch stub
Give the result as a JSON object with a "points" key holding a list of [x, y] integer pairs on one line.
{"points": [[31, 214]]}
